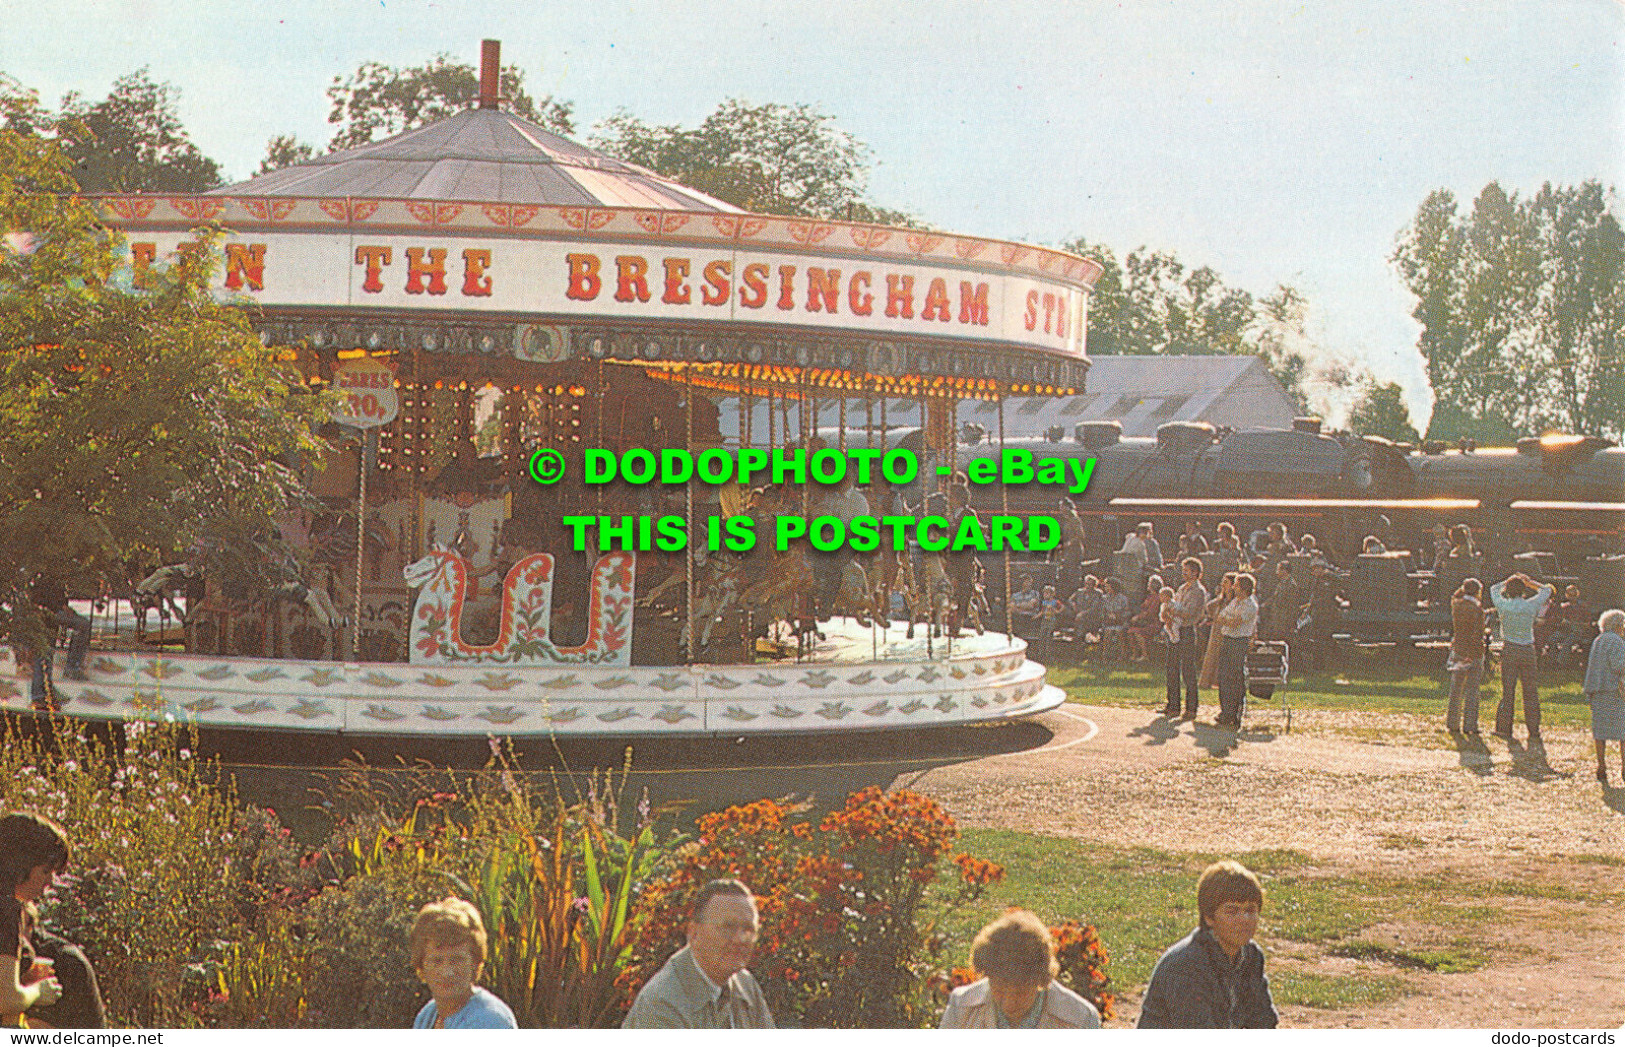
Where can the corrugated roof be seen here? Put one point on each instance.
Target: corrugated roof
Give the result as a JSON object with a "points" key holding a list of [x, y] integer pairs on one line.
{"points": [[481, 155], [1141, 392]]}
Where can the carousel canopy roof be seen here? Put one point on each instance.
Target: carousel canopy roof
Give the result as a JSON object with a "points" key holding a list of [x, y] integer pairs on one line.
{"points": [[480, 155]]}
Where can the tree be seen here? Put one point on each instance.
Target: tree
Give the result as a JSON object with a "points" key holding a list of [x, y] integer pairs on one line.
{"points": [[1149, 304], [379, 99], [770, 159], [1521, 308], [285, 151], [133, 422], [1381, 411], [133, 142]]}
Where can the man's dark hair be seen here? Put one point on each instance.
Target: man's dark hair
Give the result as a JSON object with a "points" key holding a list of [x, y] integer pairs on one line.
{"points": [[27, 841], [1193, 563], [711, 890]]}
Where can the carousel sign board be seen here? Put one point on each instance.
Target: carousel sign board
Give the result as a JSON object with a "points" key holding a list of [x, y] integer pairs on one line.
{"points": [[368, 390], [633, 280]]}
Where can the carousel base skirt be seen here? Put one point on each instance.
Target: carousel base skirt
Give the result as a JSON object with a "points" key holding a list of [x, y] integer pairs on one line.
{"points": [[839, 686]]}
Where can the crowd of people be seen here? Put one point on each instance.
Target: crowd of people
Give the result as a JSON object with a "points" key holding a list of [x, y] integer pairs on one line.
{"points": [[1212, 978], [1261, 594]]}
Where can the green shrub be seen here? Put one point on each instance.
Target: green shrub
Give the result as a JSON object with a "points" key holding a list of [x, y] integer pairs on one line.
{"points": [[152, 886]]}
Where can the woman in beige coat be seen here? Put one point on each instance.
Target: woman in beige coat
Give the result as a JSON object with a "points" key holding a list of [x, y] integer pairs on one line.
{"points": [[1015, 956]]}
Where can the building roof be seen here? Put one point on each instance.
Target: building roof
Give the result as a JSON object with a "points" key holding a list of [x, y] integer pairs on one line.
{"points": [[1140, 392], [1143, 392], [480, 155]]}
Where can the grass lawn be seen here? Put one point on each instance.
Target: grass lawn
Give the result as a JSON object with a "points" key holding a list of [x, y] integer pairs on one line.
{"points": [[1143, 900], [1381, 679]]}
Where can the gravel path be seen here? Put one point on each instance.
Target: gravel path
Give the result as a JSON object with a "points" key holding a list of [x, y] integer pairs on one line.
{"points": [[1361, 794]]}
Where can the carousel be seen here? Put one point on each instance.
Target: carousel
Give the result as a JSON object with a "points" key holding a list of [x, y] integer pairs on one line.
{"points": [[480, 290]]}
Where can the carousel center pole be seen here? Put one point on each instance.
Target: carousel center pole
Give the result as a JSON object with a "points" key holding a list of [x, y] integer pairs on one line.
{"points": [[688, 500], [1004, 495]]}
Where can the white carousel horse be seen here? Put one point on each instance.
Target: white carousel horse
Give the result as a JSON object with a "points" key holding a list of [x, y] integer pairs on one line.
{"points": [[175, 575], [523, 635]]}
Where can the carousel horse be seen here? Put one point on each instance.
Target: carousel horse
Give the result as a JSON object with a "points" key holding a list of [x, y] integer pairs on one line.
{"points": [[854, 599], [150, 592], [527, 611], [978, 601], [936, 591], [915, 597], [716, 593], [718, 596], [782, 594]]}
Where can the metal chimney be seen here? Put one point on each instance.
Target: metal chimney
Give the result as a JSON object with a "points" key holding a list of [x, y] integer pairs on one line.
{"points": [[490, 73]]}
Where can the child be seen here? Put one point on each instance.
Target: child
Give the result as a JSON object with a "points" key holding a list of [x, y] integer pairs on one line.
{"points": [[1050, 611], [1170, 628], [448, 952]]}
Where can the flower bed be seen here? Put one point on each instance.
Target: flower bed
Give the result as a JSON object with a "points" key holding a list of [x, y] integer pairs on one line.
{"points": [[198, 911]]}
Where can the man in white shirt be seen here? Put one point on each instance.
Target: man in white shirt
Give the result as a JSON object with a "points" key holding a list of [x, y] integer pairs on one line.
{"points": [[705, 985], [1237, 621], [1153, 549], [1183, 659]]}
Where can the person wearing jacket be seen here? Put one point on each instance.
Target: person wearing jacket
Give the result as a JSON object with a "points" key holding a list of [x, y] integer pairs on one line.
{"points": [[1605, 689], [1466, 663], [1184, 661], [1015, 956], [1213, 978]]}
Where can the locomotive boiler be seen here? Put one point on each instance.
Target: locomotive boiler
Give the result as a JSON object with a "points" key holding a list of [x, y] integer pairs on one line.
{"points": [[1552, 506]]}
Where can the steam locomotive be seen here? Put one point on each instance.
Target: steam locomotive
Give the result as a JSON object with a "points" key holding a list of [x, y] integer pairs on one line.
{"points": [[1553, 506]]}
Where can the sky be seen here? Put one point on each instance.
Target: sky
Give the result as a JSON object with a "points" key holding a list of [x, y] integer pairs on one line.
{"points": [[1276, 142]]}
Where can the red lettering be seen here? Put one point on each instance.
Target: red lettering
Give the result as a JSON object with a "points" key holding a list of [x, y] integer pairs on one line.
{"points": [[716, 289], [1061, 311], [858, 298], [245, 263], [900, 296], [754, 281], [823, 289], [1049, 310], [374, 258], [476, 260], [937, 304], [631, 278], [417, 269], [677, 290], [1031, 316], [787, 287], [972, 303], [584, 281]]}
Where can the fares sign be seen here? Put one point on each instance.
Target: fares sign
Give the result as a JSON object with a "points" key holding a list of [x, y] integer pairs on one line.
{"points": [[676, 282], [368, 391]]}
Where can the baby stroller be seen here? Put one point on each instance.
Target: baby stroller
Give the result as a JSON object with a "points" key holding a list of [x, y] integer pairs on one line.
{"points": [[1267, 668]]}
